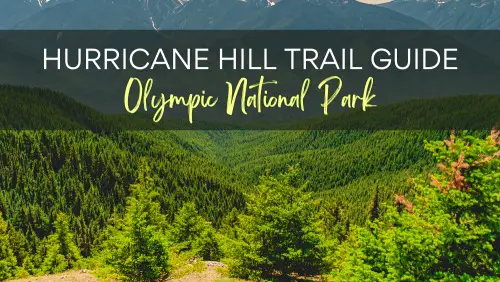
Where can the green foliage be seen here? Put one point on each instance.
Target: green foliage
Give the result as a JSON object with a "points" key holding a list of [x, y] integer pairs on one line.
{"points": [[449, 229], [190, 186], [87, 176], [62, 252], [344, 166], [19, 245], [278, 234], [230, 221], [7, 259], [190, 232], [142, 253]]}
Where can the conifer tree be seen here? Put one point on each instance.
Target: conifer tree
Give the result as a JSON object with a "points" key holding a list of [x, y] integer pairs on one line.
{"points": [[7, 259], [62, 252], [375, 209], [190, 232], [19, 244], [279, 234], [229, 223], [143, 255]]}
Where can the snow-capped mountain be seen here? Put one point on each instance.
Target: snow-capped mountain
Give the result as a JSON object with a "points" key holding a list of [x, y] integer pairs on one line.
{"points": [[285, 14], [199, 14], [82, 14]]}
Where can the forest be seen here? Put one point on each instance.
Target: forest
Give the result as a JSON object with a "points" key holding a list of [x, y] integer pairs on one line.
{"points": [[332, 205]]}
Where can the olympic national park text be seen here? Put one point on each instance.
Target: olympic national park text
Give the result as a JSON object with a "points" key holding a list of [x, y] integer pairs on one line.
{"points": [[244, 96]]}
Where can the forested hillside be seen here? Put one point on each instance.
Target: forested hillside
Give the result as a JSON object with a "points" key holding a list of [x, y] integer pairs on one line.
{"points": [[97, 196], [87, 173], [350, 168]]}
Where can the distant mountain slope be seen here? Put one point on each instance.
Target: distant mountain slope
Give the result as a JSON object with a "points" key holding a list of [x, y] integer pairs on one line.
{"points": [[12, 12], [451, 15], [286, 14], [199, 14], [210, 14], [342, 15], [89, 15]]}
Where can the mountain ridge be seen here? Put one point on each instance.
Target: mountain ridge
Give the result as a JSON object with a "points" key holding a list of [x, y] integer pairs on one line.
{"points": [[205, 14]]}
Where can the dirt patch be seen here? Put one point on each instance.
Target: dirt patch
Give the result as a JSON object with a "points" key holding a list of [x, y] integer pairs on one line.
{"points": [[68, 276], [210, 274]]}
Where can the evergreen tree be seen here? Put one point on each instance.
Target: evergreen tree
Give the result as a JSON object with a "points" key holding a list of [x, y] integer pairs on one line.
{"points": [[375, 210], [334, 222], [279, 234], [190, 232], [18, 244], [229, 223], [448, 231], [7, 259], [62, 252], [143, 255]]}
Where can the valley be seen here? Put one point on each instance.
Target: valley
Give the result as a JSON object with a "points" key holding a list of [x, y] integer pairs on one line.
{"points": [[402, 194], [91, 182]]}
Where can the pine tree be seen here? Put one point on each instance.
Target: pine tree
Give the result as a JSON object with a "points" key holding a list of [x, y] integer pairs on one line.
{"points": [[18, 244], [7, 259], [229, 223], [143, 255], [375, 209], [62, 252], [190, 232], [279, 234]]}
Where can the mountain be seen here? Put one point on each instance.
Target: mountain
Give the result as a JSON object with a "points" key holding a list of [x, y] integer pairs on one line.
{"points": [[451, 14], [14, 11], [210, 14], [83, 14], [89, 15], [249, 14], [87, 173], [337, 15], [200, 14], [286, 14]]}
